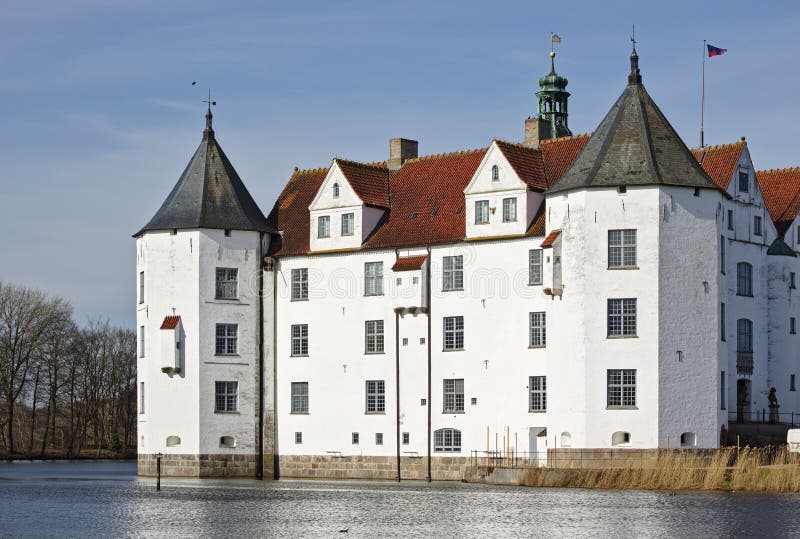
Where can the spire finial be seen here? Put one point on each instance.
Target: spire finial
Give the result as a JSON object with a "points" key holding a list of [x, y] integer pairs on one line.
{"points": [[209, 116], [635, 77]]}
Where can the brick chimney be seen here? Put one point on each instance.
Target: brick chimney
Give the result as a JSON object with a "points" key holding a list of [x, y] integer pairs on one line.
{"points": [[400, 151], [536, 130]]}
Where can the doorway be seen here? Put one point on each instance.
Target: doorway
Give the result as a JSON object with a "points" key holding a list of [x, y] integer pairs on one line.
{"points": [[742, 400]]}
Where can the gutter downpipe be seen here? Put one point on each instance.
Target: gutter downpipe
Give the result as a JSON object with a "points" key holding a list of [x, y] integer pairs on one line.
{"points": [[260, 458], [397, 381], [428, 297]]}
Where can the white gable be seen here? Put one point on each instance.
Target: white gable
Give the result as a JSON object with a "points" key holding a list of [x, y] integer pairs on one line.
{"points": [[326, 199], [482, 181]]}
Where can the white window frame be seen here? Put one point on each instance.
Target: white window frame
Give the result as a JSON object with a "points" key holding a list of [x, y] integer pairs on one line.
{"points": [[537, 394], [535, 257], [348, 224], [509, 209], [324, 226], [299, 398], [453, 272], [495, 173], [226, 397], [481, 212], [452, 395], [757, 227], [744, 176], [141, 342], [447, 441], [378, 438], [226, 286], [621, 388], [373, 278], [453, 333], [373, 337], [300, 284], [622, 248], [226, 342], [375, 402], [622, 317], [299, 337], [355, 438], [744, 279], [537, 335], [336, 190]]}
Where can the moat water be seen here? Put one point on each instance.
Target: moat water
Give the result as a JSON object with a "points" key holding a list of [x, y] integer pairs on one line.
{"points": [[106, 499]]}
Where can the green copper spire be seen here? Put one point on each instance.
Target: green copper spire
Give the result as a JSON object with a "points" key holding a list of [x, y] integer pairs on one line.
{"points": [[553, 97]]}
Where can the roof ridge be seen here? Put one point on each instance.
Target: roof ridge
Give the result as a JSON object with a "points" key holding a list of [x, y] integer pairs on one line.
{"points": [[557, 139], [716, 146], [308, 170], [446, 154], [784, 169], [360, 164]]}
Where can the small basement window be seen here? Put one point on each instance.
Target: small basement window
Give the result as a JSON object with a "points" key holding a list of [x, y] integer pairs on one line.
{"points": [[172, 441], [622, 189], [227, 441], [566, 439], [688, 439], [621, 438]]}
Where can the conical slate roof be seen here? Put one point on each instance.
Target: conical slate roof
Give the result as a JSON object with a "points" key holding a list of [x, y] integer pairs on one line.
{"points": [[634, 145], [209, 194]]}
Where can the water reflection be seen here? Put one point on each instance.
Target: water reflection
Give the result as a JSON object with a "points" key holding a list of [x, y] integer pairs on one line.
{"points": [[106, 499]]}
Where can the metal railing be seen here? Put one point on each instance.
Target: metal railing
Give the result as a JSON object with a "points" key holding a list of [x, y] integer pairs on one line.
{"points": [[763, 416], [564, 458]]}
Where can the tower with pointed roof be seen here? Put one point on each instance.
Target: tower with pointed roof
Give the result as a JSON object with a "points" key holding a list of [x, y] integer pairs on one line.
{"points": [[204, 387]]}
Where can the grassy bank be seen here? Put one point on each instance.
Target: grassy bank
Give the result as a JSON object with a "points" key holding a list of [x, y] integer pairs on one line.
{"points": [[85, 454], [748, 469]]}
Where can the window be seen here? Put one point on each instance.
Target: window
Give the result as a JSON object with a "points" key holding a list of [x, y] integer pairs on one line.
{"points": [[324, 226], [354, 438], [792, 280], [688, 439], [227, 232], [730, 219], [621, 438], [373, 279], [141, 397], [566, 439], [481, 212], [535, 266], [538, 329], [509, 209], [299, 339], [141, 287], [622, 248], [454, 395], [415, 280], [792, 325], [791, 383], [299, 397], [453, 273], [495, 173], [454, 333], [622, 189], [622, 317], [473, 401], [348, 220], [722, 255], [621, 392], [335, 190], [226, 339], [141, 341], [226, 283], [227, 441], [406, 438], [376, 397], [744, 181], [374, 337], [298, 438], [723, 395], [378, 438], [405, 341], [722, 322], [172, 441], [300, 284], [757, 225], [538, 393], [447, 441], [744, 279], [226, 396], [744, 336]]}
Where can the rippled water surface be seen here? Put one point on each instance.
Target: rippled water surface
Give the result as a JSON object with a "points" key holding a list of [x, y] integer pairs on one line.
{"points": [[92, 499]]}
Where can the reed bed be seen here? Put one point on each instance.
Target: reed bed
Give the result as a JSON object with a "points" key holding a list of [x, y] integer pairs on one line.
{"points": [[747, 469]]}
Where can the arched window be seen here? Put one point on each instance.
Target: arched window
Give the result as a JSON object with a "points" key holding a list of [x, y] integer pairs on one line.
{"points": [[688, 439], [621, 438], [172, 441], [227, 441], [566, 439], [495, 173], [335, 190], [744, 336], [447, 441], [744, 279]]}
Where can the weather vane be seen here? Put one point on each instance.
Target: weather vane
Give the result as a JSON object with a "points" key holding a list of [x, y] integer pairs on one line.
{"points": [[207, 101], [633, 36]]}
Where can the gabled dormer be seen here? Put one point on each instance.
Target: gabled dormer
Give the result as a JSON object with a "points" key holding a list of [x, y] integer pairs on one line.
{"points": [[503, 195], [348, 205]]}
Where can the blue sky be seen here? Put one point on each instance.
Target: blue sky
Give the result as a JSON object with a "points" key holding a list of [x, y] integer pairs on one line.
{"points": [[99, 116]]}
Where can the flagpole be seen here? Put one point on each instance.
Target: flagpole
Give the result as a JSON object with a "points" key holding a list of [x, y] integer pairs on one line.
{"points": [[703, 96]]}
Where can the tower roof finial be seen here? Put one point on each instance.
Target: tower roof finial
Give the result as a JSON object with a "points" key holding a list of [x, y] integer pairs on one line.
{"points": [[634, 77], [209, 116]]}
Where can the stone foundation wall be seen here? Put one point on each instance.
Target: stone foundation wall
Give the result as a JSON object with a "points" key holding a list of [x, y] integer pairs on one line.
{"points": [[367, 467], [200, 465]]}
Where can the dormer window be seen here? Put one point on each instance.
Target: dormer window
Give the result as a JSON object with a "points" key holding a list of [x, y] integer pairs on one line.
{"points": [[324, 226], [495, 173], [335, 190], [744, 182]]}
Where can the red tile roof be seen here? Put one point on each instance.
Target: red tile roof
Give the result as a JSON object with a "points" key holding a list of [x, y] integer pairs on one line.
{"points": [[370, 182], [720, 162], [526, 162], [409, 263], [781, 191], [550, 239], [170, 322], [425, 196]]}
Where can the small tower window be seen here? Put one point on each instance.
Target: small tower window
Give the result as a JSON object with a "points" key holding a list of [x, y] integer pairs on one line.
{"points": [[335, 190], [495, 173]]}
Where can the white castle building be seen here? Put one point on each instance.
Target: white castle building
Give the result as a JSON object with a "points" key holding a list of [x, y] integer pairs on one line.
{"points": [[612, 290]]}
